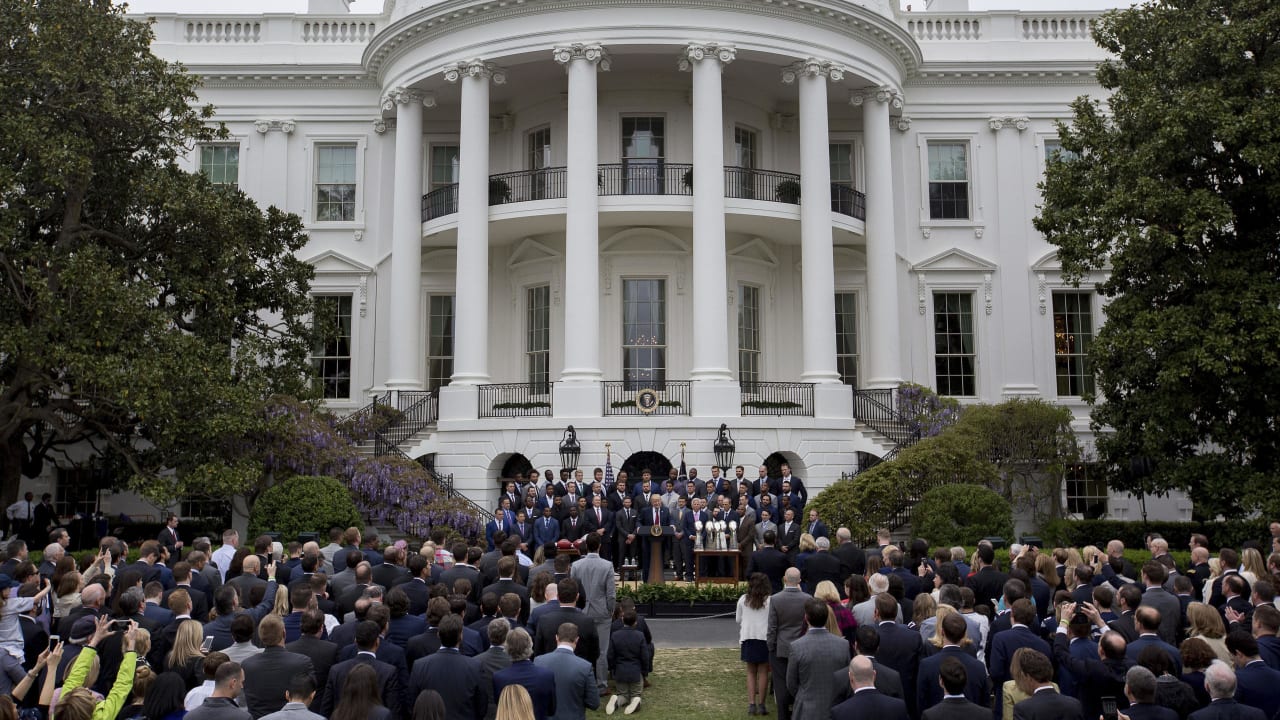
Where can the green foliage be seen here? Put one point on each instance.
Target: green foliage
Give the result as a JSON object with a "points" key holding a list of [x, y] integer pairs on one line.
{"points": [[956, 514], [303, 504], [788, 191], [672, 593], [144, 310], [1078, 533], [871, 499], [1172, 186]]}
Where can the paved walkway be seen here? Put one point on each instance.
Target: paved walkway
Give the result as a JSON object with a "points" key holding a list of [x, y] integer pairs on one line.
{"points": [[717, 632]]}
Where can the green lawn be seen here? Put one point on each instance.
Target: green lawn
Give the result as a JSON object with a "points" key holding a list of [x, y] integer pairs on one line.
{"points": [[694, 684]]}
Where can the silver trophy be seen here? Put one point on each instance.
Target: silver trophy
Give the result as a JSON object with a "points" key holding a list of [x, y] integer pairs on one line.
{"points": [[697, 535]]}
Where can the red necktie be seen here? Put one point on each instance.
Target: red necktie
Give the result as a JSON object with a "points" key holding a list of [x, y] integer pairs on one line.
{"points": [[655, 517]]}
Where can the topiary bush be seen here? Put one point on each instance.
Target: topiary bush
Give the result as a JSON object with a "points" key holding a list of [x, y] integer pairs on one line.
{"points": [[303, 503], [961, 514]]}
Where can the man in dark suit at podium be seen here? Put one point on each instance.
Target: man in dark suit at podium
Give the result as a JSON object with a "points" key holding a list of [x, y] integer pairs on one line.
{"points": [[656, 514]]}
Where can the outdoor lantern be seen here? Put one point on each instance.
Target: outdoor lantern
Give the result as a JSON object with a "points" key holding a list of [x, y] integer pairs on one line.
{"points": [[570, 449], [724, 448]]}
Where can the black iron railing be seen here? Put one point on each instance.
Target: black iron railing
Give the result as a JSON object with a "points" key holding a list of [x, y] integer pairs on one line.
{"points": [[777, 398], [440, 202], [420, 410], [768, 185], [847, 201], [515, 400], [624, 397], [646, 177], [444, 483], [526, 185], [878, 409]]}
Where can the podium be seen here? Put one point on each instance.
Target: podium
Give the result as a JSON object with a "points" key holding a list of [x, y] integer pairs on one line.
{"points": [[654, 535]]}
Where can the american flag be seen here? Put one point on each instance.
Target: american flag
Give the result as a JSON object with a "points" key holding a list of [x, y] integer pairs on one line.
{"points": [[608, 468]]}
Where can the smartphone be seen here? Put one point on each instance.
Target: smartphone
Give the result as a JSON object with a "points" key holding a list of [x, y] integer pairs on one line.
{"points": [[53, 642], [271, 557], [120, 625], [1109, 711], [207, 645]]}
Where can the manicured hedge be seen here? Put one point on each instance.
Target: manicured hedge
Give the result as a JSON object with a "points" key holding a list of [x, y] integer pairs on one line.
{"points": [[953, 514], [1228, 533], [303, 504]]}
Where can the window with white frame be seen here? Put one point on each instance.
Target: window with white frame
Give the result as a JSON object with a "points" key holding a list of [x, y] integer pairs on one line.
{"points": [[76, 491], [954, 349], [841, 156], [336, 182], [1087, 493], [538, 338], [749, 343], [847, 337], [644, 333], [221, 164], [1072, 336], [332, 355], [746, 147], [643, 155], [948, 180], [1053, 151], [439, 341], [444, 166], [539, 158]]}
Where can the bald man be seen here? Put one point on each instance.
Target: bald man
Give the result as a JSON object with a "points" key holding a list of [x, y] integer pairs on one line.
{"points": [[866, 701], [786, 624]]}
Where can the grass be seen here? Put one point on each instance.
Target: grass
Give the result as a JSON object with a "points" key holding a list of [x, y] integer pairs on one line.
{"points": [[694, 683]]}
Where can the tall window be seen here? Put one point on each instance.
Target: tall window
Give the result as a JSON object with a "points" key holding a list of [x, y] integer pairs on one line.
{"points": [[439, 342], [841, 155], [336, 183], [948, 180], [540, 159], [745, 147], [847, 338], [538, 339], [444, 166], [1087, 494], [954, 351], [748, 334], [221, 164], [77, 490], [332, 356], [643, 152], [1053, 151], [644, 333], [1072, 336]]}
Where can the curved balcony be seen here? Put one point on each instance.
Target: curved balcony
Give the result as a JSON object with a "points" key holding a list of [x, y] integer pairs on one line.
{"points": [[643, 177]]}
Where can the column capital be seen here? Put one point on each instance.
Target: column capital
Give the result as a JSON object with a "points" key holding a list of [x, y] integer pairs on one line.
{"points": [[406, 96], [813, 67], [882, 94], [1010, 122], [697, 51], [475, 68], [592, 52], [265, 126]]}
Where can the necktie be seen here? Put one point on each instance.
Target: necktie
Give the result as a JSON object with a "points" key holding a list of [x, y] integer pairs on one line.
{"points": [[655, 517], [598, 518]]}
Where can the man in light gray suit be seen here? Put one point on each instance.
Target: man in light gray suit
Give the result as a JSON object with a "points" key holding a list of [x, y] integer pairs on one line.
{"points": [[815, 657], [786, 624], [575, 682], [595, 576]]}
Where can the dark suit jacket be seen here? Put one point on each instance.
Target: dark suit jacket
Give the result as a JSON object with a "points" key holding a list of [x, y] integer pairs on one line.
{"points": [[540, 682], [1144, 641], [418, 593], [770, 561], [502, 587], [199, 601], [1004, 645], [267, 676], [888, 682], [1227, 710], [457, 679], [1148, 711], [491, 661], [323, 654], [1048, 705], [789, 539], [394, 656], [870, 704], [986, 584], [957, 709], [823, 566], [929, 692], [1093, 678], [588, 637], [852, 559], [1259, 686], [388, 682], [422, 645], [902, 649], [389, 576], [34, 640], [467, 572]]}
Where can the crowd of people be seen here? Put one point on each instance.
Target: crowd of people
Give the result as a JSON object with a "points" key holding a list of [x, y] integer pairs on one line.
{"points": [[902, 632]]}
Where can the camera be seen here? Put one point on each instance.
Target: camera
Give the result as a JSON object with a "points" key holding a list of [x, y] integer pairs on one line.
{"points": [[120, 625]]}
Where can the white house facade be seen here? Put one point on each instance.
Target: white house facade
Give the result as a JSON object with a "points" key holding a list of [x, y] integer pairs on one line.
{"points": [[524, 214]]}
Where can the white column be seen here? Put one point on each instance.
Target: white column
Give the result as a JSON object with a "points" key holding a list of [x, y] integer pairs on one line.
{"points": [[1013, 280], [471, 311], [405, 348], [816, 252], [883, 367]]}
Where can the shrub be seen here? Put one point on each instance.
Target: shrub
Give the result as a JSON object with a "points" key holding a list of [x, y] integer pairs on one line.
{"points": [[303, 503], [961, 514], [1227, 533]]}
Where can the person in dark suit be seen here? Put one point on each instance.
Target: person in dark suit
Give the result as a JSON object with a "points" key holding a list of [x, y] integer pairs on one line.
{"points": [[598, 520], [866, 701], [588, 643], [322, 653], [822, 565], [546, 529], [494, 659], [506, 583], [452, 674], [789, 531], [814, 658], [628, 660], [816, 527], [1220, 682], [1098, 674], [34, 637], [1005, 644], [464, 570], [770, 561], [953, 679], [168, 537], [888, 681], [1256, 684], [1199, 571], [267, 675], [1044, 702], [1140, 689], [929, 691], [786, 624], [367, 639], [1166, 603], [392, 571], [417, 590], [647, 517], [986, 582], [520, 670], [1148, 624], [901, 647], [853, 561]]}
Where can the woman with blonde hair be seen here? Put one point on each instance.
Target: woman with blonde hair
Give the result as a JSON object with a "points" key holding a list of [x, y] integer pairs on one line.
{"points": [[1215, 572], [874, 563], [840, 619], [1205, 623], [515, 704], [1072, 562], [808, 546], [1047, 569], [1252, 566], [185, 657], [281, 606], [939, 639], [925, 607], [75, 700]]}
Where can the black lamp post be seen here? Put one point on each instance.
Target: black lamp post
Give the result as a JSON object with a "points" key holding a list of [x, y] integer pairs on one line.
{"points": [[724, 448], [570, 449]]}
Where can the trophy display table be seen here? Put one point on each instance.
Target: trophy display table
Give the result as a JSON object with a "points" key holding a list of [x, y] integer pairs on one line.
{"points": [[735, 555]]}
